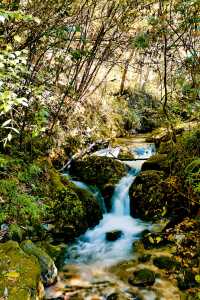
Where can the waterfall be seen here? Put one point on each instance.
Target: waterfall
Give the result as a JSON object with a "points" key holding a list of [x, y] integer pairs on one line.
{"points": [[120, 198], [92, 248]]}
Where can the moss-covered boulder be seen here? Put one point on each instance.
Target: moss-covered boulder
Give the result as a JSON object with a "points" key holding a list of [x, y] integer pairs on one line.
{"points": [[157, 162], [91, 206], [104, 172], [47, 266], [142, 278], [146, 195], [97, 170], [19, 273], [153, 196]]}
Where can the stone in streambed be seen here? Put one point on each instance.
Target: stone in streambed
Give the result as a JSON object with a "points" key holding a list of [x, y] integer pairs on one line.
{"points": [[113, 235], [166, 262], [142, 278]]}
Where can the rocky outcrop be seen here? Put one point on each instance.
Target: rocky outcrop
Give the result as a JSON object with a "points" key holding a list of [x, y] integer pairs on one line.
{"points": [[19, 274], [146, 195], [48, 269]]}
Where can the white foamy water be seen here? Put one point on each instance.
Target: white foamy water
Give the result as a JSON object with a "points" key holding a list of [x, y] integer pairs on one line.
{"points": [[92, 248]]}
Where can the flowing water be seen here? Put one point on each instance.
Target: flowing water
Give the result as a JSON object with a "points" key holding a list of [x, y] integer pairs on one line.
{"points": [[88, 260]]}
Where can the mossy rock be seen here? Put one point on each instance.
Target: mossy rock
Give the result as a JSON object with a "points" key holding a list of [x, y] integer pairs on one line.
{"points": [[186, 279], [147, 195], [19, 273], [166, 262], [153, 196], [159, 162], [103, 172], [98, 171], [47, 266], [126, 154], [68, 206], [166, 147], [91, 206], [142, 278]]}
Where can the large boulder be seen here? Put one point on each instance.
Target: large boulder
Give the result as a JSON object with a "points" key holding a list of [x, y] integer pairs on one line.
{"points": [[92, 207], [104, 172], [146, 195], [153, 196], [71, 210], [75, 208], [48, 269], [19, 274], [157, 162]]}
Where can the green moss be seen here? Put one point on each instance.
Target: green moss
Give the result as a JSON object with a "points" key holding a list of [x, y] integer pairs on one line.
{"points": [[92, 208], [159, 162], [15, 233], [19, 272], [147, 195], [47, 266], [9, 164], [98, 171], [31, 173], [142, 278]]}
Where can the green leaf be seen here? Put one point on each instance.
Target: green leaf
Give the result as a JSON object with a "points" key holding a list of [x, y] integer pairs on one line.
{"points": [[6, 123], [151, 240], [197, 278]]}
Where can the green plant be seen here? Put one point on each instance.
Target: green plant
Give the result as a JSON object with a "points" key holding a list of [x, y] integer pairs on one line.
{"points": [[193, 175], [31, 172]]}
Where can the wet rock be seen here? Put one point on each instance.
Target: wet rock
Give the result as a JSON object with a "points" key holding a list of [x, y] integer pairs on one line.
{"points": [[144, 258], [103, 172], [147, 195], [146, 125], [113, 235], [157, 162], [186, 279], [142, 278], [113, 296], [19, 274], [166, 262], [92, 207], [48, 268]]}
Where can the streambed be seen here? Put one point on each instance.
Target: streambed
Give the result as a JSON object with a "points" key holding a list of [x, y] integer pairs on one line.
{"points": [[93, 266]]}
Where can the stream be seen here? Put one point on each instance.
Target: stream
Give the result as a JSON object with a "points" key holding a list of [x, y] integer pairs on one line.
{"points": [[87, 268]]}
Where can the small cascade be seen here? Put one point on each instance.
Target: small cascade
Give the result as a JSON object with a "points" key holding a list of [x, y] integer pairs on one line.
{"points": [[93, 247], [120, 198], [88, 259]]}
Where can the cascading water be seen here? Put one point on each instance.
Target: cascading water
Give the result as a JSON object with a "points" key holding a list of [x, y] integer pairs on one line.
{"points": [[85, 274], [93, 247]]}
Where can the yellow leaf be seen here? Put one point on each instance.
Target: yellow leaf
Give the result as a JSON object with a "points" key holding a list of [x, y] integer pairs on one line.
{"points": [[12, 275], [17, 38]]}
